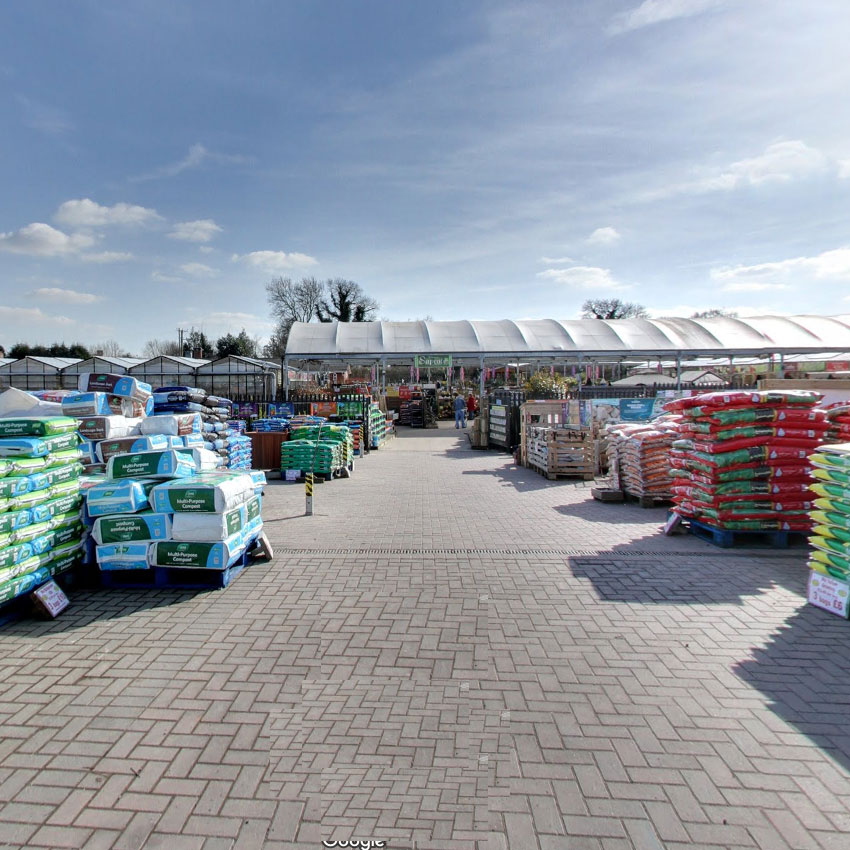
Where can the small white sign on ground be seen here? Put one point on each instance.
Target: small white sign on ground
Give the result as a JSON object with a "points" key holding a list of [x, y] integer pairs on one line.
{"points": [[829, 593]]}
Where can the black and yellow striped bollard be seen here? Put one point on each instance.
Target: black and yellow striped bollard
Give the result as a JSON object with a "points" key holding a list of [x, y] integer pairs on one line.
{"points": [[308, 483]]}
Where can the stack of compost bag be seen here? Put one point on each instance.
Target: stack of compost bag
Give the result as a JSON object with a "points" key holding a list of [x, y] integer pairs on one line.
{"points": [[41, 533], [311, 456], [267, 425], [214, 412], [742, 458], [639, 457], [328, 433], [830, 514], [216, 517], [838, 419], [107, 407], [117, 508]]}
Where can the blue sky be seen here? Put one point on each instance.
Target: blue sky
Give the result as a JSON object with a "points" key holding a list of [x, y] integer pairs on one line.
{"points": [[160, 162]]}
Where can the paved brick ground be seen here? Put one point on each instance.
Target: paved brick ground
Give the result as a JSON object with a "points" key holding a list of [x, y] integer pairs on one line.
{"points": [[453, 653]]}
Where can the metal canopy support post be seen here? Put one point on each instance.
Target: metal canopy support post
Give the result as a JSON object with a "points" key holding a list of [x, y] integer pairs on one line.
{"points": [[678, 371], [285, 379], [579, 372], [481, 383]]}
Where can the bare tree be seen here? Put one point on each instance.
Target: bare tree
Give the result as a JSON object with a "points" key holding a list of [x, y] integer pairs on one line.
{"points": [[295, 302], [161, 347], [275, 348], [111, 348], [347, 302], [612, 308]]}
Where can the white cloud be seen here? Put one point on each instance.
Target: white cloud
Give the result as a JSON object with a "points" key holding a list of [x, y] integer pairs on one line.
{"points": [[42, 240], [604, 236], [66, 296], [753, 286], [202, 230], [22, 316], [796, 271], [205, 249], [84, 213], [198, 270], [781, 162], [657, 11], [583, 277], [165, 278], [844, 169], [556, 261], [197, 156], [275, 261], [107, 257], [44, 117]]}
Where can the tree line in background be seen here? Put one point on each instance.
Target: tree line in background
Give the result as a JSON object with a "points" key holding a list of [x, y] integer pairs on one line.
{"points": [[306, 300], [195, 343]]}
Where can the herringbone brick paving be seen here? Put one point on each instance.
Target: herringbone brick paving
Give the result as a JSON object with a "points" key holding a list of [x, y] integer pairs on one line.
{"points": [[387, 678]]}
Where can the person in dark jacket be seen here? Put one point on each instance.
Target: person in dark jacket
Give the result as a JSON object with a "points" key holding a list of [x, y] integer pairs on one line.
{"points": [[460, 412]]}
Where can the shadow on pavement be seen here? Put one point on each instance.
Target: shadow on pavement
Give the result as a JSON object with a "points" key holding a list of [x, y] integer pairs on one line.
{"points": [[804, 668], [804, 671], [92, 605]]}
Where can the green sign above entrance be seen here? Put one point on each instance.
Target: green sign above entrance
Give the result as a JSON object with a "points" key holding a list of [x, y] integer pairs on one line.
{"points": [[433, 361]]}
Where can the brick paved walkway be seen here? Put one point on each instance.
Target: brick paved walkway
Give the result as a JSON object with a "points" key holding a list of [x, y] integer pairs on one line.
{"points": [[453, 653]]}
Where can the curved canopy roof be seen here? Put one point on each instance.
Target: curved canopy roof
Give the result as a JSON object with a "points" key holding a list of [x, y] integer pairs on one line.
{"points": [[553, 338]]}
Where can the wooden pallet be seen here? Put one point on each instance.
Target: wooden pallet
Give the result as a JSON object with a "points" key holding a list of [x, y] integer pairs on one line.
{"points": [[726, 538], [554, 474], [182, 578]]}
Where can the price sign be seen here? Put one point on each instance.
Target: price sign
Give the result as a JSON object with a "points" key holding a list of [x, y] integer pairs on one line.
{"points": [[50, 598], [829, 593]]}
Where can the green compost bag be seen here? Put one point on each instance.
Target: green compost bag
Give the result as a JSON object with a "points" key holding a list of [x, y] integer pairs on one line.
{"points": [[833, 476], [37, 426], [63, 458], [824, 504], [835, 532], [831, 491], [829, 544], [830, 518], [830, 564], [22, 584]]}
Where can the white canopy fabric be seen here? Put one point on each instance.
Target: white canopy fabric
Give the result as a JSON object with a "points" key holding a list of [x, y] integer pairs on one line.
{"points": [[550, 338]]}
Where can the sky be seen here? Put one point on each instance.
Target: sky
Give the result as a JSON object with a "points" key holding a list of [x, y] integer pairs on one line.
{"points": [[161, 162]]}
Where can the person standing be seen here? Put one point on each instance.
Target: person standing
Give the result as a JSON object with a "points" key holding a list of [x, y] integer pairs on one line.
{"points": [[470, 406], [460, 412]]}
